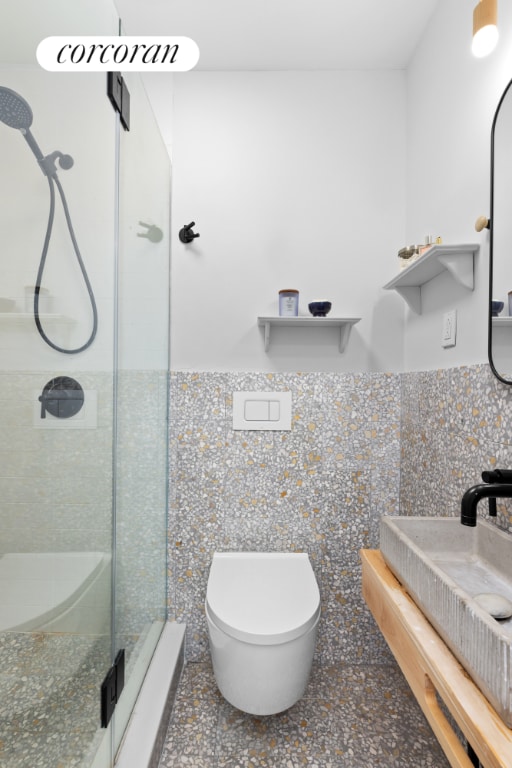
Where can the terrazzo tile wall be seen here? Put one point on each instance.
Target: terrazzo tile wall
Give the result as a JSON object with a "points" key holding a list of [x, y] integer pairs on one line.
{"points": [[455, 424], [141, 491], [55, 484], [362, 445], [320, 488]]}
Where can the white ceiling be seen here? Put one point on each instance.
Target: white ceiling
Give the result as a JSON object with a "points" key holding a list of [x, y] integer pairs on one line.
{"points": [[287, 34]]}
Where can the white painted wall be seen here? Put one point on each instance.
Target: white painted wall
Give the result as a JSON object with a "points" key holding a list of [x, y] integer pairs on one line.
{"points": [[294, 179], [143, 274], [451, 99], [72, 114]]}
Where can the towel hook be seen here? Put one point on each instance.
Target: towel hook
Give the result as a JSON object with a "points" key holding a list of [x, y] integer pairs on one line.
{"points": [[186, 235]]}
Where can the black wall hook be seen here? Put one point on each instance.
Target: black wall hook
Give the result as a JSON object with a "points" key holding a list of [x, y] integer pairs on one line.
{"points": [[186, 235]]}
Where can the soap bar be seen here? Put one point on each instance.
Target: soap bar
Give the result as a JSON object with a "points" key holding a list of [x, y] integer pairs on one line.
{"points": [[497, 605]]}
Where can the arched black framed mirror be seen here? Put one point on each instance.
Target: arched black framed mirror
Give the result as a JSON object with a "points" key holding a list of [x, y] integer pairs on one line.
{"points": [[500, 243]]}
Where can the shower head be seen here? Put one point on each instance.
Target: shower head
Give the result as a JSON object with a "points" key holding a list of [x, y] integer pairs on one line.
{"points": [[16, 113], [14, 110]]}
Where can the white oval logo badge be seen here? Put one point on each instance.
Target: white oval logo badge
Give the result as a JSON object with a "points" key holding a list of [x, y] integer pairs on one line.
{"points": [[117, 54]]}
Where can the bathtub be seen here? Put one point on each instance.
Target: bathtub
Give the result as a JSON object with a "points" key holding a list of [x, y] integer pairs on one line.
{"points": [[55, 592]]}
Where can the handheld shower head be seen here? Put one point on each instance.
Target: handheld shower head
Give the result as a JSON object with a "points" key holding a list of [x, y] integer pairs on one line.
{"points": [[14, 110], [16, 113]]}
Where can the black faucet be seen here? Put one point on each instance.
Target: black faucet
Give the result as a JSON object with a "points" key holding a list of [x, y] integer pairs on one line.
{"points": [[497, 484]]}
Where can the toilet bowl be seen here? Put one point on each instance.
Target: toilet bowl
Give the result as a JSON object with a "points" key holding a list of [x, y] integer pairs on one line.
{"points": [[262, 611]]}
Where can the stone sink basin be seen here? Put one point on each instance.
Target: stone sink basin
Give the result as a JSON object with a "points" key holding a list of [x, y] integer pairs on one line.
{"points": [[443, 565]]}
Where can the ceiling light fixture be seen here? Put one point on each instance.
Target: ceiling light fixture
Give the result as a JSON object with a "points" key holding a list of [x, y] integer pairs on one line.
{"points": [[485, 29]]}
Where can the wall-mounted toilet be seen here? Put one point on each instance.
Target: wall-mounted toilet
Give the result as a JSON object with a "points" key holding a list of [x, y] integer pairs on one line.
{"points": [[262, 610]]}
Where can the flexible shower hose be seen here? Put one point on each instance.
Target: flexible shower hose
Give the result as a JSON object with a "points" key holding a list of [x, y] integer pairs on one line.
{"points": [[51, 180]]}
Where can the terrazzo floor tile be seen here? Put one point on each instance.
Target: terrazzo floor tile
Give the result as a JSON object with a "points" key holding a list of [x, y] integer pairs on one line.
{"points": [[48, 715], [362, 716]]}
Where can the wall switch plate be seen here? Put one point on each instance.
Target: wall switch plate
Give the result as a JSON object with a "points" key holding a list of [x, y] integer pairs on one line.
{"points": [[449, 333]]}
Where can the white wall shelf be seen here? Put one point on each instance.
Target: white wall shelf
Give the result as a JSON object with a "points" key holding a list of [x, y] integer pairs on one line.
{"points": [[24, 318], [343, 323], [502, 322], [457, 260]]}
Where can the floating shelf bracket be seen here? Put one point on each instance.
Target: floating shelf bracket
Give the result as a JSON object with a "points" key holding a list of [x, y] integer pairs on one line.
{"points": [[343, 323], [457, 260], [412, 295], [460, 267]]}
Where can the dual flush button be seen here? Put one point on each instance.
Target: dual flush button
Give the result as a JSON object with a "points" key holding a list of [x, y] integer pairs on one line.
{"points": [[262, 410]]}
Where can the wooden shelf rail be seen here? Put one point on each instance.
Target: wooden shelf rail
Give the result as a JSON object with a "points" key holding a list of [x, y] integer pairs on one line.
{"points": [[429, 666]]}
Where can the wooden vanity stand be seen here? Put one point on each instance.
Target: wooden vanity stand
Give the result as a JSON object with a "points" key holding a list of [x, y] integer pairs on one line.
{"points": [[429, 666]]}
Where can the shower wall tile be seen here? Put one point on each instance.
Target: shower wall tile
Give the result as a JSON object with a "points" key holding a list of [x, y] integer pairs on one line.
{"points": [[318, 488], [140, 501], [55, 485]]}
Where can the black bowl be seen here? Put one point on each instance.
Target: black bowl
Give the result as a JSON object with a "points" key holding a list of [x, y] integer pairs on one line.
{"points": [[496, 307], [320, 308]]}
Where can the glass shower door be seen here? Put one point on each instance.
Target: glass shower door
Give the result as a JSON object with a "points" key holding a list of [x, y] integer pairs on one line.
{"points": [[56, 403], [83, 406], [142, 332]]}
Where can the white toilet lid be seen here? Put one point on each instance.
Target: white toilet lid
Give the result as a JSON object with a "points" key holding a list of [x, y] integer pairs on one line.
{"points": [[261, 597]]}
